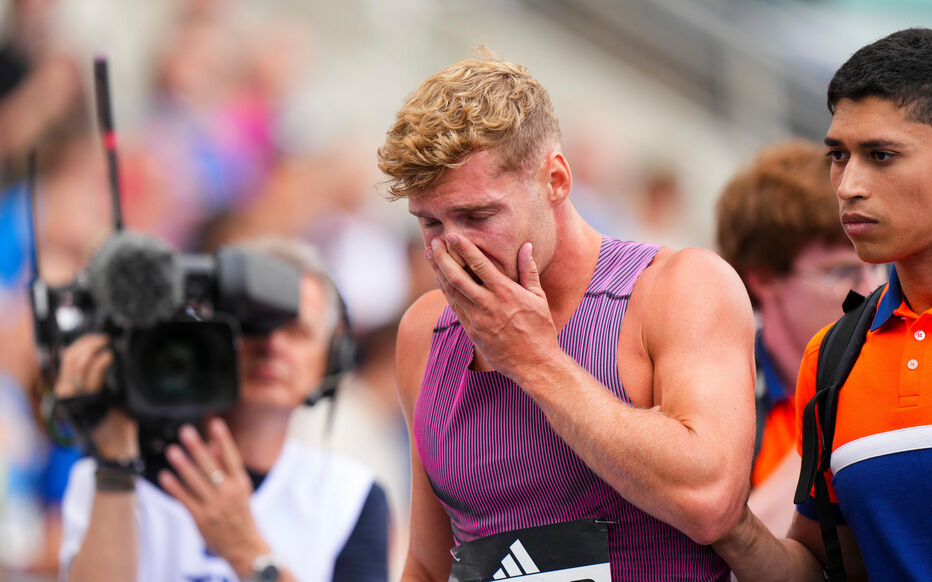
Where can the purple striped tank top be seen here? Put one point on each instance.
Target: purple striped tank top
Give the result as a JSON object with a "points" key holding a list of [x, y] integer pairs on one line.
{"points": [[496, 464]]}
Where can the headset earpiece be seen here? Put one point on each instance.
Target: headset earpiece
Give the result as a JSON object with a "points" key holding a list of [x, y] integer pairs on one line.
{"points": [[341, 357]]}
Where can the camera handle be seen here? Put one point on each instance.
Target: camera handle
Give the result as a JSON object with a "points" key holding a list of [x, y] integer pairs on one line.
{"points": [[81, 413]]}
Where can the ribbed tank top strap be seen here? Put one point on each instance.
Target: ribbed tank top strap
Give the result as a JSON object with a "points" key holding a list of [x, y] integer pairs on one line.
{"points": [[451, 350], [591, 335], [449, 345]]}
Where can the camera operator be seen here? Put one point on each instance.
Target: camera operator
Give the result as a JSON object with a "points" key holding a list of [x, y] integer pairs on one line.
{"points": [[243, 501]]}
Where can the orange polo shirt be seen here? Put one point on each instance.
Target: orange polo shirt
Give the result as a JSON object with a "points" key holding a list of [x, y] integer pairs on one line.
{"points": [[881, 464]]}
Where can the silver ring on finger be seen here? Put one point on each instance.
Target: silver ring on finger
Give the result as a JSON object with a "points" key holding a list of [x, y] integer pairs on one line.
{"points": [[217, 476], [78, 382]]}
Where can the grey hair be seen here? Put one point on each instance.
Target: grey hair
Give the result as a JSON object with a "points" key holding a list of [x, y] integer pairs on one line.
{"points": [[306, 258]]}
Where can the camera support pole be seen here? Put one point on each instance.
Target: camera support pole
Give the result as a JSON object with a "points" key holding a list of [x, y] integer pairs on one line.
{"points": [[32, 209], [44, 324], [108, 136], [42, 308]]}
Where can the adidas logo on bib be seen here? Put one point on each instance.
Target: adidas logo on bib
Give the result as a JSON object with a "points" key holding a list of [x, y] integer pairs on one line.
{"points": [[575, 551], [519, 566], [516, 563]]}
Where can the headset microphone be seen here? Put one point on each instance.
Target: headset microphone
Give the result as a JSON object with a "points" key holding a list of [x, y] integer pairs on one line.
{"points": [[341, 357]]}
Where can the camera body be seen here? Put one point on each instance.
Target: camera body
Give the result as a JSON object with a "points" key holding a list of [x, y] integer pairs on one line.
{"points": [[174, 321]]}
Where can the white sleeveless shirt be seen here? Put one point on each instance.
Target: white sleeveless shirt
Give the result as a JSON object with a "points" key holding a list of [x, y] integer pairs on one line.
{"points": [[305, 508]]}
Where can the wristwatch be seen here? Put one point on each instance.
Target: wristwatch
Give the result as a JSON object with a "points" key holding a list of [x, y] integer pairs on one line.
{"points": [[265, 568]]}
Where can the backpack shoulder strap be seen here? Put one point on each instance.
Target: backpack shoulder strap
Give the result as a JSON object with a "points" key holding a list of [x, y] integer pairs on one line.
{"points": [[837, 354]]}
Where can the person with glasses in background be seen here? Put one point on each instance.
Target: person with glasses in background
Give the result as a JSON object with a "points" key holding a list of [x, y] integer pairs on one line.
{"points": [[777, 225]]}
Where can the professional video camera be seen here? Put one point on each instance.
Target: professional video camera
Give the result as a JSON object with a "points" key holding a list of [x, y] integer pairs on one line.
{"points": [[174, 319]]}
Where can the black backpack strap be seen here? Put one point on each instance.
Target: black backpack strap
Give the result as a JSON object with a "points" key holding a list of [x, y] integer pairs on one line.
{"points": [[837, 354]]}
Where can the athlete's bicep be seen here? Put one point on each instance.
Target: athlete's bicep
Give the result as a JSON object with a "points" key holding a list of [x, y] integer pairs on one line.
{"points": [[700, 337]]}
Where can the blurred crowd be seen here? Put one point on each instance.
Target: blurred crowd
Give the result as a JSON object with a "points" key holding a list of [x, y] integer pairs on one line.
{"points": [[218, 158]]}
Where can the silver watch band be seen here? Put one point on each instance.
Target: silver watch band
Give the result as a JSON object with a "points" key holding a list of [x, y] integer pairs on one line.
{"points": [[265, 568]]}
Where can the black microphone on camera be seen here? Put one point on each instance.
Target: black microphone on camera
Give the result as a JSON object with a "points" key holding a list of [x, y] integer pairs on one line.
{"points": [[135, 280]]}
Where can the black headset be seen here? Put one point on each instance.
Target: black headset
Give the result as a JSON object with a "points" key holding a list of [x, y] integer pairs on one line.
{"points": [[341, 356]]}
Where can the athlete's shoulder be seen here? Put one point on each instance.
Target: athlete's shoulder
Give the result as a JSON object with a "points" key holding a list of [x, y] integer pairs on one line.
{"points": [[423, 312], [418, 322], [689, 274], [415, 333]]}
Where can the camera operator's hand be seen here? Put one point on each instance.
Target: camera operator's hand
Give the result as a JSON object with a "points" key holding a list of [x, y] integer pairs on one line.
{"points": [[213, 484], [84, 366]]}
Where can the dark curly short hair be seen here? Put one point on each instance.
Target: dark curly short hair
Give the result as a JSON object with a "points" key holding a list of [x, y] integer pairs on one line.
{"points": [[896, 68]]}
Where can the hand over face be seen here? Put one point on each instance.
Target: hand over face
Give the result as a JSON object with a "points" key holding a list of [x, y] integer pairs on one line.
{"points": [[509, 322], [213, 485]]}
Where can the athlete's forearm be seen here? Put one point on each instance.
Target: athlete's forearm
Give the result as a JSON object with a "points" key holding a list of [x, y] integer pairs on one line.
{"points": [[684, 472], [755, 555]]}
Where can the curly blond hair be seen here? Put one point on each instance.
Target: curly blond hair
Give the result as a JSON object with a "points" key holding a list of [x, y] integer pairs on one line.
{"points": [[473, 105]]}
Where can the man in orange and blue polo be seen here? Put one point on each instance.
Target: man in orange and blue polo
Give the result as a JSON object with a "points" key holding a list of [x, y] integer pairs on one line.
{"points": [[880, 144]]}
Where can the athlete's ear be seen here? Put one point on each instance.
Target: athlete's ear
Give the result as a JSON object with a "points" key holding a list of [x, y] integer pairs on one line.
{"points": [[559, 179]]}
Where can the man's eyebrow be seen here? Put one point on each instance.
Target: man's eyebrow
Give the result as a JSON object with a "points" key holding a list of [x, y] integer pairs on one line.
{"points": [[475, 207], [880, 143], [459, 209], [867, 144]]}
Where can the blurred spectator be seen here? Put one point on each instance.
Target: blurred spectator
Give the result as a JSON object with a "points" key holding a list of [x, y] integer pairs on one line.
{"points": [[216, 94], [662, 215], [24, 545], [364, 246], [778, 226], [327, 198], [195, 129], [603, 176], [70, 221], [40, 84], [74, 210]]}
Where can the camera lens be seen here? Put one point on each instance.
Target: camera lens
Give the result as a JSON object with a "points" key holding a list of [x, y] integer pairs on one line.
{"points": [[181, 369], [176, 367]]}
